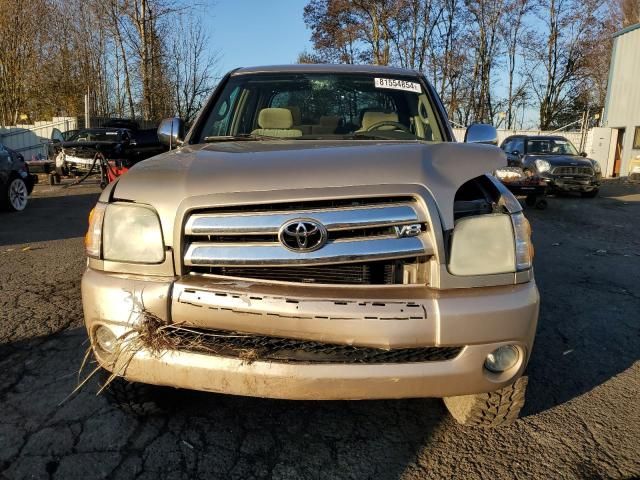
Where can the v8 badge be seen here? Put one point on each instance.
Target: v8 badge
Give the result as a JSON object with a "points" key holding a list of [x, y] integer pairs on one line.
{"points": [[408, 230]]}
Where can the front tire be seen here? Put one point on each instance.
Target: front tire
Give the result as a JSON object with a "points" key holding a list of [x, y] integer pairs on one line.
{"points": [[15, 195], [489, 410]]}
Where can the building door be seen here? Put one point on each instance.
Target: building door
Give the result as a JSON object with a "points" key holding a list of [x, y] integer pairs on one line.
{"points": [[617, 159]]}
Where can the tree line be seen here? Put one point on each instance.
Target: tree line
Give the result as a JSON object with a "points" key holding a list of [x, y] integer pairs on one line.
{"points": [[490, 60], [141, 59]]}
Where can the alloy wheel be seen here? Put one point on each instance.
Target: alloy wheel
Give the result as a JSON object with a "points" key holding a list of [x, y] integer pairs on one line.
{"points": [[18, 194]]}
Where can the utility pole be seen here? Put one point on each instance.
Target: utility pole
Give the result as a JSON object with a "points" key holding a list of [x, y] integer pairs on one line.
{"points": [[87, 112]]}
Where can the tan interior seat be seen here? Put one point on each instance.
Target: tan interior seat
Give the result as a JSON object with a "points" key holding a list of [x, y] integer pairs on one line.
{"points": [[328, 124], [297, 120], [371, 118], [276, 122]]}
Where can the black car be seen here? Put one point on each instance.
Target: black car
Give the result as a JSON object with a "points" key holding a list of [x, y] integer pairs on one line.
{"points": [[16, 183], [124, 146], [555, 160]]}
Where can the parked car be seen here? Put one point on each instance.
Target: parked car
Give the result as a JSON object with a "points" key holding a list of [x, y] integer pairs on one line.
{"points": [[556, 161], [16, 183], [124, 146], [318, 234]]}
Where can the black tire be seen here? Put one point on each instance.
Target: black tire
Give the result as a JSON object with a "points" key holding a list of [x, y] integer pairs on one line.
{"points": [[530, 200], [14, 195], [590, 194], [541, 204], [135, 398], [489, 410]]}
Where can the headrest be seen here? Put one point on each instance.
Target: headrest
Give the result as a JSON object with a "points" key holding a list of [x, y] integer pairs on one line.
{"points": [[371, 118], [279, 118], [329, 120], [295, 114]]}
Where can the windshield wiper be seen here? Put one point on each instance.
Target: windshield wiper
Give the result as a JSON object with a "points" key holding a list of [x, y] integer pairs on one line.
{"points": [[239, 137], [361, 136], [365, 136]]}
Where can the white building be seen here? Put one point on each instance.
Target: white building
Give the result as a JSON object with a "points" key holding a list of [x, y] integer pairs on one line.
{"points": [[619, 142]]}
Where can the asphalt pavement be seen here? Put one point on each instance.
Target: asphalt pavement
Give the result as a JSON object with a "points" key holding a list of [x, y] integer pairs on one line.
{"points": [[581, 419]]}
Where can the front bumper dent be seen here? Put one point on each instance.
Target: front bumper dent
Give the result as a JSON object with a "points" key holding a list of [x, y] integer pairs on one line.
{"points": [[572, 184], [479, 319]]}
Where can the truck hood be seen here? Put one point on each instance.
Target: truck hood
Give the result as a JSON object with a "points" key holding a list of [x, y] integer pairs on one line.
{"points": [[233, 169]]}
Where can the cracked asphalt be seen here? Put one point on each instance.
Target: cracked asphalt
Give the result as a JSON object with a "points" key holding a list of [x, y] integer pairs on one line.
{"points": [[581, 419]]}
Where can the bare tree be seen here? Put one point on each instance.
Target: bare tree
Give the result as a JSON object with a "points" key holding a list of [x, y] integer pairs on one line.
{"points": [[561, 55], [512, 28], [630, 12], [192, 68], [20, 38], [487, 16]]}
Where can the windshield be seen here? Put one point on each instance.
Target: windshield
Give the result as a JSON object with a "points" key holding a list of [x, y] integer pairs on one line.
{"points": [[551, 146], [322, 106], [96, 135]]}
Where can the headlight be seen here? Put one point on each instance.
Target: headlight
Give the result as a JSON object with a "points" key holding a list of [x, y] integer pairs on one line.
{"points": [[132, 233], [543, 165], [491, 244], [596, 167], [508, 174], [124, 232]]}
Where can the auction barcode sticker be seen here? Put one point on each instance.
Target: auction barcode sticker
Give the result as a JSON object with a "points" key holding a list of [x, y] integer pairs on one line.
{"points": [[396, 84]]}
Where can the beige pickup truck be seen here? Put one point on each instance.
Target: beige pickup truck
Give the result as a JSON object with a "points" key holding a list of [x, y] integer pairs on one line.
{"points": [[317, 234]]}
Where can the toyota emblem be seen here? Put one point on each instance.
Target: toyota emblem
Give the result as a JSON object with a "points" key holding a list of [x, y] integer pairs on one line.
{"points": [[304, 235]]}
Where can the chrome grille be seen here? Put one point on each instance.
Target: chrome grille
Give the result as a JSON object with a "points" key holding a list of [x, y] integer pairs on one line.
{"points": [[368, 273], [573, 171], [361, 234]]}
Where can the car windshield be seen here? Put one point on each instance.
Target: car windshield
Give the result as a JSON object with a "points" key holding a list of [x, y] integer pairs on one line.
{"points": [[551, 146], [96, 135], [322, 106]]}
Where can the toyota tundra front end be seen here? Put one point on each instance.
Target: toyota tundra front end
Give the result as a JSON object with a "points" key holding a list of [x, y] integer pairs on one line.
{"points": [[318, 235]]}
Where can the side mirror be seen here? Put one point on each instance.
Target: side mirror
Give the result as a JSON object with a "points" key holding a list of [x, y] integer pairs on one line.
{"points": [[481, 133], [171, 132], [583, 154]]}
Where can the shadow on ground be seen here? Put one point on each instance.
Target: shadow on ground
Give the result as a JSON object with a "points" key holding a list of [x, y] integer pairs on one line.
{"points": [[50, 217]]}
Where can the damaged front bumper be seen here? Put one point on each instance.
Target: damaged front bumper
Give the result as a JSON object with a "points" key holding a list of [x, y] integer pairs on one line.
{"points": [[471, 323], [570, 183]]}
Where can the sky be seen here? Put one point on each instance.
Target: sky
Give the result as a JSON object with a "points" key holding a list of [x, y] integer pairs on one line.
{"points": [[248, 33], [256, 32]]}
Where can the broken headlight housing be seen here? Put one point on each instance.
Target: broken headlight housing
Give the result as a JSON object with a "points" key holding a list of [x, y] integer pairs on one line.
{"points": [[491, 244], [125, 232]]}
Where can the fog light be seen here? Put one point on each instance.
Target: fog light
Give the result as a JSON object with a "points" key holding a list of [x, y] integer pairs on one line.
{"points": [[502, 359], [105, 339]]}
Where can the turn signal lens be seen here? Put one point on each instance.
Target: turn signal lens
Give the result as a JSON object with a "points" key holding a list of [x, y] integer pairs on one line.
{"points": [[524, 247], [93, 238]]}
